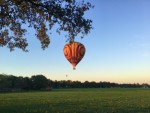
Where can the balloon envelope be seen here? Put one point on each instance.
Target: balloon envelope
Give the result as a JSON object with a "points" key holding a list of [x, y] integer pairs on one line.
{"points": [[74, 52]]}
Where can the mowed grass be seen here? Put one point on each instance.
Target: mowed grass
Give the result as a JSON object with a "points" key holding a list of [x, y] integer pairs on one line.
{"points": [[77, 101]]}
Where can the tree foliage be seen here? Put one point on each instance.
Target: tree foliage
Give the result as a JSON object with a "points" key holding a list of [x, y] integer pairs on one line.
{"points": [[40, 82], [41, 15]]}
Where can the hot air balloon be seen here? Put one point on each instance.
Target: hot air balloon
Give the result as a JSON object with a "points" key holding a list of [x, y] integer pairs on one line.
{"points": [[74, 52]]}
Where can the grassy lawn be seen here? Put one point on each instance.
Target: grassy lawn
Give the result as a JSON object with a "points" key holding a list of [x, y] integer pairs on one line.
{"points": [[77, 101]]}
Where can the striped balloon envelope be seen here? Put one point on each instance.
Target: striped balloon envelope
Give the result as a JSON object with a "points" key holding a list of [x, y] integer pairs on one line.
{"points": [[74, 52]]}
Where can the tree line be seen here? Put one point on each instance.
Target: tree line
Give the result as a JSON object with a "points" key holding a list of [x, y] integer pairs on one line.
{"points": [[40, 82]]}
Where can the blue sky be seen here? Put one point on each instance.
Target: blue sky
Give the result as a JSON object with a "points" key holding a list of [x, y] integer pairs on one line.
{"points": [[117, 49]]}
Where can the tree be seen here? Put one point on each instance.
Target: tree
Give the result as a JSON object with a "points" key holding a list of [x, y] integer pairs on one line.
{"points": [[39, 82], [41, 15], [26, 83], [4, 83]]}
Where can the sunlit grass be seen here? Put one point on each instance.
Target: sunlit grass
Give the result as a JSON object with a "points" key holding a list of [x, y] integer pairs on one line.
{"points": [[77, 101]]}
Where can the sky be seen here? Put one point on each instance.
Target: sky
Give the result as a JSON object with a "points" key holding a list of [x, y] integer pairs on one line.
{"points": [[117, 48]]}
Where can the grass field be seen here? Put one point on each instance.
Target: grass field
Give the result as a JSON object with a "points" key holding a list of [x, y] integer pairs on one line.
{"points": [[77, 101]]}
